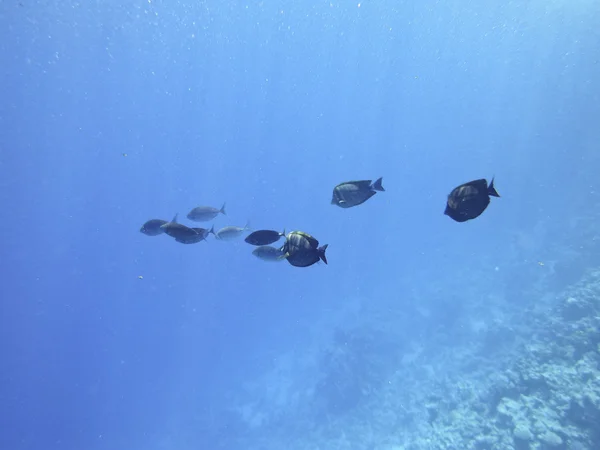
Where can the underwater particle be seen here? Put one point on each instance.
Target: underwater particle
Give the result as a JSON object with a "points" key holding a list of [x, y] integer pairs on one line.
{"points": [[354, 193], [152, 227], [302, 250], [125, 154], [469, 200], [140, 277], [264, 237], [205, 213]]}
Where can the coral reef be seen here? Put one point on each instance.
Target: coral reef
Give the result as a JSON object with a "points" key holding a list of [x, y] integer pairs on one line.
{"points": [[528, 380], [548, 399], [350, 368]]}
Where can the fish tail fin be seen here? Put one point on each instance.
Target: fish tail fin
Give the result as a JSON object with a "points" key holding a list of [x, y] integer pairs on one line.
{"points": [[377, 185], [212, 231], [175, 218], [222, 210], [492, 190], [322, 253], [283, 233]]}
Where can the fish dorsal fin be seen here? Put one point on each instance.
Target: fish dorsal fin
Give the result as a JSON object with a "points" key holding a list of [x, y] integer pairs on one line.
{"points": [[175, 218]]}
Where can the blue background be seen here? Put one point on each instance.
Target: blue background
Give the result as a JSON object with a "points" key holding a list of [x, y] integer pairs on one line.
{"points": [[113, 113]]}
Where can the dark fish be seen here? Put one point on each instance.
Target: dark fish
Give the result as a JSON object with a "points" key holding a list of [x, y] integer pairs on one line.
{"points": [[231, 233], [354, 193], [205, 213], [268, 253], [302, 250], [201, 235], [264, 237], [469, 200], [190, 239], [153, 226], [179, 231], [204, 232]]}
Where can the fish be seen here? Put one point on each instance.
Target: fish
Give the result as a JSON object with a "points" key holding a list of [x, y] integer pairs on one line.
{"points": [[179, 231], [193, 239], [231, 233], [204, 232], [269, 253], [153, 226], [264, 237], [354, 193], [205, 213], [201, 235], [302, 250], [469, 200]]}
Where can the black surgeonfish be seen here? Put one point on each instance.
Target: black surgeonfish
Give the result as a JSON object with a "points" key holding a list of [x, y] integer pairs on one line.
{"points": [[204, 232], [354, 193], [193, 239], [302, 250], [205, 213], [201, 235], [469, 200], [264, 237], [179, 231], [153, 226]]}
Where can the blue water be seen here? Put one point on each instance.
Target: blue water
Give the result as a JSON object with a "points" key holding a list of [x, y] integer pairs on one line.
{"points": [[114, 113]]}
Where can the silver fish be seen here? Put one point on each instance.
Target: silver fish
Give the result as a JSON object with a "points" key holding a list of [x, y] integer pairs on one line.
{"points": [[205, 213], [269, 253], [231, 233]]}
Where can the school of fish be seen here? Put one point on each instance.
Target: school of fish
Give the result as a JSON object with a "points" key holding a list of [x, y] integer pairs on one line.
{"points": [[465, 202]]}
